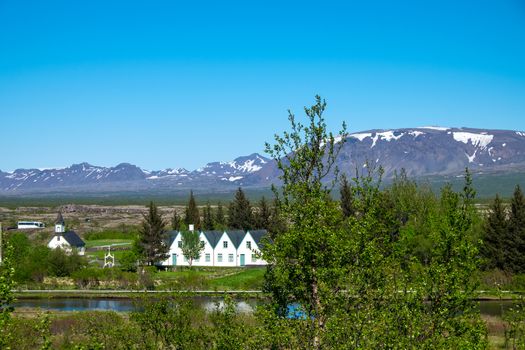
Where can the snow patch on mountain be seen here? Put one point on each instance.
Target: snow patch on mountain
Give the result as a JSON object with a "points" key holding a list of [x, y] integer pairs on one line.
{"points": [[438, 128], [477, 140]]}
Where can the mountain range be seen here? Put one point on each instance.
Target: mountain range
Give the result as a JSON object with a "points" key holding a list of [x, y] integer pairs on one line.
{"points": [[422, 152]]}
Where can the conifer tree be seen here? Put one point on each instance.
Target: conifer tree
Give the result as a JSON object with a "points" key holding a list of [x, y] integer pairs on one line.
{"points": [[240, 214], [277, 223], [220, 220], [516, 240], [495, 236], [176, 221], [191, 215], [347, 197], [152, 237], [262, 217], [207, 223]]}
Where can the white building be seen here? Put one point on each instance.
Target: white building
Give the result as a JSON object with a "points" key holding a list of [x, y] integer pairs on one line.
{"points": [[221, 248], [66, 241]]}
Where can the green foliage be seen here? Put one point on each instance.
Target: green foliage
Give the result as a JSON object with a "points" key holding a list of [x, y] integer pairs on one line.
{"points": [[495, 236], [123, 232], [360, 280], [220, 219], [128, 261], [240, 215], [168, 324], [515, 331], [263, 215], [61, 264], [208, 222], [7, 283], [191, 214], [347, 201], [516, 242], [191, 245], [176, 221], [152, 236]]}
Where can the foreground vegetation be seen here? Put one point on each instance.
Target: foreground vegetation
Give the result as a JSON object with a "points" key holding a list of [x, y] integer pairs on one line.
{"points": [[384, 268]]}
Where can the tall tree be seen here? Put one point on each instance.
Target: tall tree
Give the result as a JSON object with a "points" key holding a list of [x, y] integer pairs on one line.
{"points": [[191, 246], [240, 215], [208, 222], [495, 236], [152, 237], [347, 197], [191, 214], [176, 221], [220, 219], [263, 215], [516, 240], [7, 272]]}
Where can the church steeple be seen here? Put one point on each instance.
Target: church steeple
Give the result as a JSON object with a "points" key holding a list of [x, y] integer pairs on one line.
{"points": [[60, 224]]}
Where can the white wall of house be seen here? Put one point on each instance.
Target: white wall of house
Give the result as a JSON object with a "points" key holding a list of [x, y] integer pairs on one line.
{"points": [[58, 241], [220, 255], [227, 251], [251, 251]]}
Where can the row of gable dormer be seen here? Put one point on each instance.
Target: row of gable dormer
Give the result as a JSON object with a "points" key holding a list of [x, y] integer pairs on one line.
{"points": [[221, 248]]}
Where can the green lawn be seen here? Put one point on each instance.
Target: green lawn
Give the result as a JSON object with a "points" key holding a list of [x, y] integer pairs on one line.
{"points": [[103, 242], [216, 278], [99, 254]]}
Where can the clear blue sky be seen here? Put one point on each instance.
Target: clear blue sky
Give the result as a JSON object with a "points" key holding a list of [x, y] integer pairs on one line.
{"points": [[177, 84]]}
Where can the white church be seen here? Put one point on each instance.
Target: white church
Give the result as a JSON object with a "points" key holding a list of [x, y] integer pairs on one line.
{"points": [[66, 241]]}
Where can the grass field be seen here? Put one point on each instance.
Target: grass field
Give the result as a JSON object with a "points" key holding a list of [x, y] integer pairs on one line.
{"points": [[105, 242]]}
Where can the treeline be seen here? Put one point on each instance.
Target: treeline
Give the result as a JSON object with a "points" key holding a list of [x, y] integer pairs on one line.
{"points": [[238, 214]]}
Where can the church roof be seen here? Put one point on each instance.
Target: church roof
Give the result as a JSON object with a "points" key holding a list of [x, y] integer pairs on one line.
{"points": [[73, 239]]}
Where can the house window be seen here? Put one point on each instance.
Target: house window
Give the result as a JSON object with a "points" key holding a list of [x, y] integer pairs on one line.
{"points": [[254, 257], [179, 244], [208, 258], [249, 244], [202, 244], [219, 257], [225, 244], [230, 257]]}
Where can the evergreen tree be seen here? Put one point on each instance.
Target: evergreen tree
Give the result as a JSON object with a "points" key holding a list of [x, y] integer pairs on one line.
{"points": [[495, 236], [152, 237], [240, 215], [347, 197], [220, 220], [207, 223], [176, 221], [516, 240], [262, 217], [191, 215], [277, 223]]}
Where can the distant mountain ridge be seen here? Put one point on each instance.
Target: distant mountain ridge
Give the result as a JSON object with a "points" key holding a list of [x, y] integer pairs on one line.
{"points": [[423, 151]]}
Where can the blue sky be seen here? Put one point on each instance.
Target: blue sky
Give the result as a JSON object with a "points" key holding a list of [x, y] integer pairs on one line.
{"points": [[177, 84]]}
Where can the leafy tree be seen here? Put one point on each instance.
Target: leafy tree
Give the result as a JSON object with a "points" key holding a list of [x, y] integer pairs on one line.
{"points": [[220, 220], [277, 222], [191, 246], [151, 243], [7, 284], [191, 215], [208, 222], [305, 266], [240, 215], [176, 221], [347, 201], [495, 235], [128, 261], [263, 215]]}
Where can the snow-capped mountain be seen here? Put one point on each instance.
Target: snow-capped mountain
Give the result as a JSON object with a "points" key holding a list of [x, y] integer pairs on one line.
{"points": [[90, 178], [420, 151]]}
